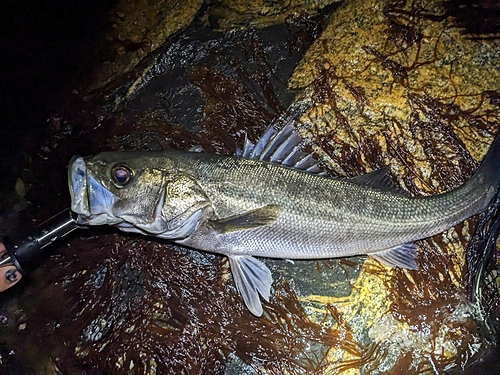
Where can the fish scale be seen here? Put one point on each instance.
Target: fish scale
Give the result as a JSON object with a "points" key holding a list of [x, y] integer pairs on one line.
{"points": [[324, 217], [270, 200]]}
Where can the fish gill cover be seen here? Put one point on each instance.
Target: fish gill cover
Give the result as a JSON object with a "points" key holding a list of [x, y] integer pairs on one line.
{"points": [[393, 84]]}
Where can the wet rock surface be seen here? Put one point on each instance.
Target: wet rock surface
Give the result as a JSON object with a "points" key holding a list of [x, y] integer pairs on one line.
{"points": [[378, 83]]}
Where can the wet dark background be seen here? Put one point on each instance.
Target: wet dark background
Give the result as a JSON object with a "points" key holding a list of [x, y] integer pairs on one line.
{"points": [[47, 50]]}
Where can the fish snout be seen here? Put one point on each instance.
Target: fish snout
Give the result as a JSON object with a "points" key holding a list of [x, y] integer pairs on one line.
{"points": [[90, 199], [77, 180]]}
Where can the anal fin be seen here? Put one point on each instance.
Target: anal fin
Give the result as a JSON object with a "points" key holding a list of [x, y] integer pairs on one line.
{"points": [[400, 256], [252, 278]]}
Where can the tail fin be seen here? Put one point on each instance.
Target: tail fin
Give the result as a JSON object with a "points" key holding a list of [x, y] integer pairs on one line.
{"points": [[487, 176]]}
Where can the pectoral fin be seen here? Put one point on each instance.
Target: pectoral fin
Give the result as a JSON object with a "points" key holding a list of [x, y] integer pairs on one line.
{"points": [[252, 278], [400, 256], [249, 220]]}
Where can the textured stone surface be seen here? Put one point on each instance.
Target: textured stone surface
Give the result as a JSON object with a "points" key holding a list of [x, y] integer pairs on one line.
{"points": [[382, 85]]}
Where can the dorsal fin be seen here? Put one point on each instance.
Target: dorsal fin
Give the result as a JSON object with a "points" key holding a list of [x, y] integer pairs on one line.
{"points": [[380, 180], [282, 146], [197, 148]]}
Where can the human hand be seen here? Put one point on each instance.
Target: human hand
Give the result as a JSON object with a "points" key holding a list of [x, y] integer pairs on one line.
{"points": [[9, 275]]}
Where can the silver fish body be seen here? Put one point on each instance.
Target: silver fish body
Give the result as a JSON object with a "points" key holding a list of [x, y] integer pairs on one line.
{"points": [[255, 205], [316, 216]]}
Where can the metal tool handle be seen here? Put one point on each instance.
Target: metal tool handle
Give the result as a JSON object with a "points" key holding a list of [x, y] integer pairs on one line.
{"points": [[26, 254]]}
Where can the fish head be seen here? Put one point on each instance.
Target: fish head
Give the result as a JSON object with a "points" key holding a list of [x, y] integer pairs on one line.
{"points": [[110, 188], [137, 192]]}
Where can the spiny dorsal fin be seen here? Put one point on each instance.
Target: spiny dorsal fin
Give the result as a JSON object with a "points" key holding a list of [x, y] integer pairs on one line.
{"points": [[380, 180], [282, 146]]}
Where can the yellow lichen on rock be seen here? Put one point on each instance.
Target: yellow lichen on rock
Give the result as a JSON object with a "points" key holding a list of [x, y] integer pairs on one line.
{"points": [[140, 27], [240, 13], [365, 307], [400, 86], [374, 62]]}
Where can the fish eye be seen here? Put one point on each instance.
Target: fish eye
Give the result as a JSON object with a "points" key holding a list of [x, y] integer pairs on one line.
{"points": [[121, 175]]}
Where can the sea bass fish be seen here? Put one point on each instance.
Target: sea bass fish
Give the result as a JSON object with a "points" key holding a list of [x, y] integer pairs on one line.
{"points": [[270, 200]]}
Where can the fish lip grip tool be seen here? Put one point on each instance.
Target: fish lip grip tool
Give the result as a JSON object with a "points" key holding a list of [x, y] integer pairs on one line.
{"points": [[26, 255]]}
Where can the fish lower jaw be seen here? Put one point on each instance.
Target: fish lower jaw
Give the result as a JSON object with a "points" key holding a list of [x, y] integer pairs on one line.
{"points": [[97, 219]]}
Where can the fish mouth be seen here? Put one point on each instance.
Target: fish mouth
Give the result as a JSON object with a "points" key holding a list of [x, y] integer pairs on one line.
{"points": [[89, 199]]}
